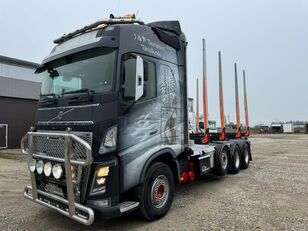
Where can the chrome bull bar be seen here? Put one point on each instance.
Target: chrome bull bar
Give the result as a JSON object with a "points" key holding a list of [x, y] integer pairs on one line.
{"points": [[69, 158]]}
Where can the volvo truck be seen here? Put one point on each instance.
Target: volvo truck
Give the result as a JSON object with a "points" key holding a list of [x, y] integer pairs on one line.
{"points": [[111, 134]]}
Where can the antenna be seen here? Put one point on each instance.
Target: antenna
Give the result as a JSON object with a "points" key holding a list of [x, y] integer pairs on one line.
{"points": [[221, 100], [206, 138], [197, 108], [237, 107], [247, 133]]}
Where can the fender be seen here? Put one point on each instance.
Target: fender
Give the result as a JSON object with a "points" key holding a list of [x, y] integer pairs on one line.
{"points": [[232, 148], [221, 145], [164, 152]]}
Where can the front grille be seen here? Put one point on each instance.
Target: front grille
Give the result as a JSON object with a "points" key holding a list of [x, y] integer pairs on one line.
{"points": [[54, 146]]}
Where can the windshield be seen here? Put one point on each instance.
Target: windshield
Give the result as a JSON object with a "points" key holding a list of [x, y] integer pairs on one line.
{"points": [[93, 70]]}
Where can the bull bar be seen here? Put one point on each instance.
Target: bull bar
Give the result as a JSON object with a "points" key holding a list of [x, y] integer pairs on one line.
{"points": [[67, 207]]}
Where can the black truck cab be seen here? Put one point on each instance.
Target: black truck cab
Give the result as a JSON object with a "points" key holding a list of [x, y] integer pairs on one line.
{"points": [[111, 133]]}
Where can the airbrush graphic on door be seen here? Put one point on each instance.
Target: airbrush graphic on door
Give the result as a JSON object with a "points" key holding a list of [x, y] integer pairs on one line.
{"points": [[157, 121], [170, 106]]}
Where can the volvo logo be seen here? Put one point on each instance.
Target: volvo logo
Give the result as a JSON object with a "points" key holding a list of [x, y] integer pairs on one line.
{"points": [[60, 114]]}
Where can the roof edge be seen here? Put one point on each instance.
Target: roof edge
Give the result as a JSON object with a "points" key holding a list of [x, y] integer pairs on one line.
{"points": [[19, 62]]}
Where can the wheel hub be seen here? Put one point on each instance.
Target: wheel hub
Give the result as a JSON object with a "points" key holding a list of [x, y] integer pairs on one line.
{"points": [[246, 156], [224, 160], [237, 159], [160, 191]]}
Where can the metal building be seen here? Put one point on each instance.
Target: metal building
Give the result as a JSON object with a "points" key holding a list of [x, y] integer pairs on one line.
{"points": [[19, 93]]}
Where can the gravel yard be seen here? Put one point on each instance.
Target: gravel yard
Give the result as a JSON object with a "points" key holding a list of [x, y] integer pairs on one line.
{"points": [[271, 195]]}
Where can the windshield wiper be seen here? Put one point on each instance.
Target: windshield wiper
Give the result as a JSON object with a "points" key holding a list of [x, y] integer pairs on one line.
{"points": [[50, 94], [77, 97], [46, 100], [79, 91]]}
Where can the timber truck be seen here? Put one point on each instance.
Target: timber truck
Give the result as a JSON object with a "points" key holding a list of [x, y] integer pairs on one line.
{"points": [[111, 134]]}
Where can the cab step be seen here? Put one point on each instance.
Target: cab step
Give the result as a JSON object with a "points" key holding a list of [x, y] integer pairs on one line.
{"points": [[128, 206]]}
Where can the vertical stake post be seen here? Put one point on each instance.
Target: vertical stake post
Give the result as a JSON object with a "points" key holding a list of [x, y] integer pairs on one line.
{"points": [[206, 137], [247, 133], [221, 100], [237, 107]]}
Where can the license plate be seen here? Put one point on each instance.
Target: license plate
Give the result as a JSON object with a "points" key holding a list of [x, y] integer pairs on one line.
{"points": [[54, 189]]}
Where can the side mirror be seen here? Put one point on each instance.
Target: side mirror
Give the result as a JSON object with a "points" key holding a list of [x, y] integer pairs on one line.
{"points": [[139, 78]]}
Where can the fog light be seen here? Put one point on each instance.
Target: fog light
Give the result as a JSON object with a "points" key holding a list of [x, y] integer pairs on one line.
{"points": [[103, 171], [57, 171], [39, 166], [31, 165], [101, 180], [47, 169]]}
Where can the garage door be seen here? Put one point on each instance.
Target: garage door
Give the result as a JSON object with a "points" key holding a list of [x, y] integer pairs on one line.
{"points": [[3, 135]]}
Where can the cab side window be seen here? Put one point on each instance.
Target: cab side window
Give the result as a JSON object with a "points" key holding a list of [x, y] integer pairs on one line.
{"points": [[149, 80], [128, 85]]}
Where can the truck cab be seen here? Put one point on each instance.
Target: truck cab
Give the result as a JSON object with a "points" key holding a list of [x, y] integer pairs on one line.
{"points": [[111, 134], [113, 100]]}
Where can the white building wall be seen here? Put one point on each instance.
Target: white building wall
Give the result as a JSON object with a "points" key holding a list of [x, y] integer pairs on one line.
{"points": [[17, 79]]}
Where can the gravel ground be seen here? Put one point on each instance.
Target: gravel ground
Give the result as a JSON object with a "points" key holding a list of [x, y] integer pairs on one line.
{"points": [[270, 195]]}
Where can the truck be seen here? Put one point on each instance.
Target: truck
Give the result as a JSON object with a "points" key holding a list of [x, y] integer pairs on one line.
{"points": [[111, 134]]}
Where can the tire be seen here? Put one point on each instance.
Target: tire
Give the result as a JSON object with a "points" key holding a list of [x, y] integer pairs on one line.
{"points": [[235, 163], [245, 157], [155, 195], [221, 162]]}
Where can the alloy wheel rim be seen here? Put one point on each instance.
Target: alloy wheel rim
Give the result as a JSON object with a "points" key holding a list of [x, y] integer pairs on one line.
{"points": [[160, 191], [237, 159], [246, 156], [224, 159]]}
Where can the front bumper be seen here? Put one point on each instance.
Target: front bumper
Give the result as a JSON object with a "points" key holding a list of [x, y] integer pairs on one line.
{"points": [[74, 151], [83, 215]]}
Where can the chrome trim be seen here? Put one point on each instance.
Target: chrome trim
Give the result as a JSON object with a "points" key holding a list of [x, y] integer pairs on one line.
{"points": [[65, 122], [69, 107], [68, 176], [75, 216]]}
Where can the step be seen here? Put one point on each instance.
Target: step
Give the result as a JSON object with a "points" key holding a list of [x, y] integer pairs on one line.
{"points": [[128, 206]]}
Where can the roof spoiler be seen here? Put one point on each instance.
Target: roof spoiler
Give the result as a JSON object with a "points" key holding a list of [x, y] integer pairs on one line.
{"points": [[168, 32]]}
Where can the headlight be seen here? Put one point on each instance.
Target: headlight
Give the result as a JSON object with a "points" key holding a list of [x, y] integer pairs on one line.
{"points": [[47, 169], [31, 165], [111, 137], [110, 141], [39, 166], [57, 171]]}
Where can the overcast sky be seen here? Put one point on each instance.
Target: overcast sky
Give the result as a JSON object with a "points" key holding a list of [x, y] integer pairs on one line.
{"points": [[269, 38]]}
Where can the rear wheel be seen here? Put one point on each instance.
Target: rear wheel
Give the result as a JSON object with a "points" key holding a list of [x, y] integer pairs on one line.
{"points": [[156, 193], [245, 157], [235, 163], [222, 162]]}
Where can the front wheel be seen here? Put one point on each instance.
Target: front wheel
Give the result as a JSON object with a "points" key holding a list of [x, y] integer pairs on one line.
{"points": [[156, 193]]}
